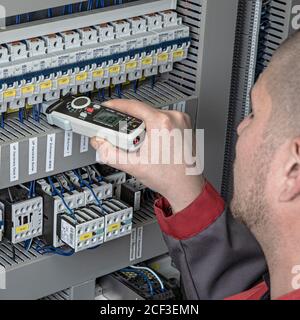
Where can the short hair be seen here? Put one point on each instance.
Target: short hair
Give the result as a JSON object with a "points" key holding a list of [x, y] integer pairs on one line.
{"points": [[282, 79]]}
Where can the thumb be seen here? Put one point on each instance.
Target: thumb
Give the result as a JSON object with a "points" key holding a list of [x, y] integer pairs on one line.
{"points": [[110, 154]]}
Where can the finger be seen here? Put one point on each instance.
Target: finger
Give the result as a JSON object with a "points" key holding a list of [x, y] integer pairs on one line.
{"points": [[134, 108], [110, 154]]}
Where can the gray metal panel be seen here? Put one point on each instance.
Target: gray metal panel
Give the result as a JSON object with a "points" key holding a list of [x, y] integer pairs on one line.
{"points": [[41, 276], [83, 19], [214, 77], [61, 163]]}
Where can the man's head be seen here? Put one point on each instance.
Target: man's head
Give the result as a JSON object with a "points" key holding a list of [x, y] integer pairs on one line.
{"points": [[267, 167]]}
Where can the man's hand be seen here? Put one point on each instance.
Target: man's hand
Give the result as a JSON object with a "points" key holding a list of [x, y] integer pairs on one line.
{"points": [[169, 179]]}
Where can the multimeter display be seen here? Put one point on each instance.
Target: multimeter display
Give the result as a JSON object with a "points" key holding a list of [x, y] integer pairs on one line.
{"points": [[109, 118]]}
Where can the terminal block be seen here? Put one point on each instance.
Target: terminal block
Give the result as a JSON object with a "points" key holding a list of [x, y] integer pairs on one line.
{"points": [[114, 177], [118, 218], [82, 231], [66, 195], [91, 58], [23, 218], [132, 193]]}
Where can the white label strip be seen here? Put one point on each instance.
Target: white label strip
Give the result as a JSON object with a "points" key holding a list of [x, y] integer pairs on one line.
{"points": [[32, 156], [68, 146], [139, 243], [50, 153], [132, 245], [14, 162], [84, 144]]}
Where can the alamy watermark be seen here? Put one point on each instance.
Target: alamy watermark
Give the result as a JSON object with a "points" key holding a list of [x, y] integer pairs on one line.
{"points": [[162, 147]]}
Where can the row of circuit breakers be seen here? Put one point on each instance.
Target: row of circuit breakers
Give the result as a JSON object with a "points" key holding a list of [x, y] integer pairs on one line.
{"points": [[90, 58], [81, 208]]}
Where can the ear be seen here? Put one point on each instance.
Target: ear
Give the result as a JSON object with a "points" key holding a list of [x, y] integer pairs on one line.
{"points": [[291, 188]]}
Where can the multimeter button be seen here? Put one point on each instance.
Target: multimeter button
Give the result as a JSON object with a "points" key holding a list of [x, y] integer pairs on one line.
{"points": [[81, 102], [83, 115], [90, 110]]}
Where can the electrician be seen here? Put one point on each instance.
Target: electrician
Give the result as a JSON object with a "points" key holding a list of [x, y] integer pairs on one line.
{"points": [[217, 255]]}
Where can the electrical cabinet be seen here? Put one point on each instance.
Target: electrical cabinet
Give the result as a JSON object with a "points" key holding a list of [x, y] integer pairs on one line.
{"points": [[199, 57]]}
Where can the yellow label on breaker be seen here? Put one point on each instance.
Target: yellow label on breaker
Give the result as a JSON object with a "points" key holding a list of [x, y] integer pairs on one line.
{"points": [[163, 57], [81, 76], [131, 65], [28, 89], [23, 228], [147, 61], [178, 54], [46, 84], [86, 236], [10, 93], [98, 73], [63, 81], [114, 69], [114, 227]]}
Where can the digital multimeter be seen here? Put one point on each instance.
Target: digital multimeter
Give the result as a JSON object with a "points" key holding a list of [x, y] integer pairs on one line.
{"points": [[89, 118]]}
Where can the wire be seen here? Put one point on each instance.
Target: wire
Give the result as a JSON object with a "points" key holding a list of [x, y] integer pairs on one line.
{"points": [[51, 249], [153, 273], [50, 13], [98, 177], [84, 183], [10, 195], [62, 189], [21, 115], [144, 276], [28, 244], [2, 118], [55, 191]]}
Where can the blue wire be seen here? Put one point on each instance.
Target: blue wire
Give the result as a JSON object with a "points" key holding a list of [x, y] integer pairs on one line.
{"points": [[21, 118], [84, 183], [60, 185], [51, 249], [28, 17], [135, 84], [102, 3], [56, 192], [49, 13], [103, 93], [153, 79], [80, 6], [70, 8], [143, 275], [2, 117]]}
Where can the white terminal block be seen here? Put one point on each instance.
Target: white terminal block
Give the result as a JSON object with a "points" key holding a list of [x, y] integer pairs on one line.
{"points": [[3, 107], [154, 21], [88, 35], [169, 18], [17, 104], [138, 25], [102, 191], [4, 58], [105, 32], [36, 47], [121, 28], [71, 39], [54, 43], [17, 50]]}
